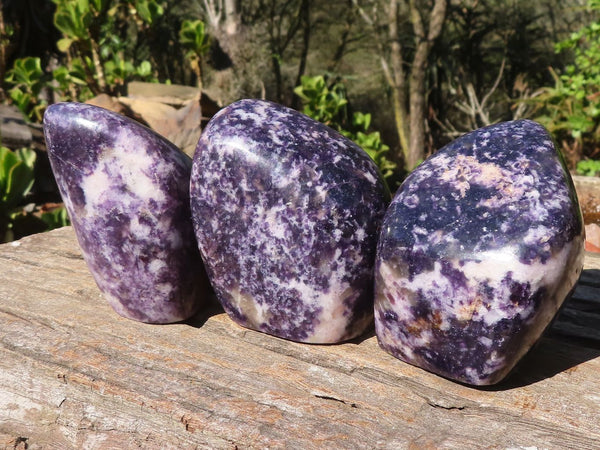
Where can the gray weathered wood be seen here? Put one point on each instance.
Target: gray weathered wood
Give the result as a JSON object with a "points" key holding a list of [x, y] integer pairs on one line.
{"points": [[73, 374]]}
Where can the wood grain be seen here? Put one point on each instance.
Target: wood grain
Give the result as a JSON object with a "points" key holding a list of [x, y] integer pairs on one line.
{"points": [[73, 374]]}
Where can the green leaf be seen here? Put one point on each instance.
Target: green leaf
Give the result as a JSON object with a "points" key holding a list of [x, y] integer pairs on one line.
{"points": [[17, 177], [26, 72], [21, 99], [26, 99], [192, 36], [109, 67], [148, 10], [143, 11], [361, 120], [55, 218], [64, 44], [27, 155], [144, 69], [588, 167], [5, 166], [72, 18], [98, 5], [19, 182]]}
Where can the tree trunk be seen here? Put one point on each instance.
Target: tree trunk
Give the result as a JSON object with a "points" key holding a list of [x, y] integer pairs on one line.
{"points": [[397, 81], [305, 18], [343, 42], [225, 24], [196, 64], [409, 116], [276, 64], [418, 74], [416, 147], [279, 40], [232, 18]]}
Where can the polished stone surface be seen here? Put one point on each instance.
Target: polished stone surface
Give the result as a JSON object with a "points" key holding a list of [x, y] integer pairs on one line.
{"points": [[127, 193], [287, 212], [479, 248]]}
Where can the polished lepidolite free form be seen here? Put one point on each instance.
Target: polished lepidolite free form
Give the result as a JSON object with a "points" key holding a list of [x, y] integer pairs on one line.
{"points": [[127, 193], [479, 248], [286, 213]]}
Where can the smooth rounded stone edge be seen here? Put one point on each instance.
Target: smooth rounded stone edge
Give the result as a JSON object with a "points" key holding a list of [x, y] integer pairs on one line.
{"points": [[126, 190], [464, 302], [287, 213]]}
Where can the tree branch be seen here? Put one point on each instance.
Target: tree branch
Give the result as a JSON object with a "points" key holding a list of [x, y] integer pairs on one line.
{"points": [[436, 19], [495, 85], [213, 12], [417, 21]]}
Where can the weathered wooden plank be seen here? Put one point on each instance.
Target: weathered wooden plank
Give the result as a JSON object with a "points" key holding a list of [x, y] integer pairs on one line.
{"points": [[74, 374]]}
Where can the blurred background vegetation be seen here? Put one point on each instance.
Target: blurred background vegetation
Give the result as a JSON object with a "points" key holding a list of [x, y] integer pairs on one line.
{"points": [[400, 77]]}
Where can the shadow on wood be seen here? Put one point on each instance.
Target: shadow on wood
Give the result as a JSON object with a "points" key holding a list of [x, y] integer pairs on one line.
{"points": [[546, 360], [199, 319], [577, 326]]}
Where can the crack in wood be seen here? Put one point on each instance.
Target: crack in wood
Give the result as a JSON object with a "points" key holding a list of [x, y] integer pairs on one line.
{"points": [[446, 407], [328, 397], [16, 316], [69, 255], [20, 261]]}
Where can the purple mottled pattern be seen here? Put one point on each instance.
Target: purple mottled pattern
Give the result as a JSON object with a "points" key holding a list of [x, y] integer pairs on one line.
{"points": [[287, 212], [127, 193], [479, 248]]}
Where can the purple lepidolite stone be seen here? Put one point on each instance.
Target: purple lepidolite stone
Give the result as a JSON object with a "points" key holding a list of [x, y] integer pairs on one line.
{"points": [[127, 193], [479, 248], [286, 213]]}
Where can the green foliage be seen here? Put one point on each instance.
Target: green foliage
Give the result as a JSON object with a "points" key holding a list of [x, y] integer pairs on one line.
{"points": [[118, 72], [328, 104], [321, 102], [16, 176], [149, 10], [571, 109], [588, 167], [100, 42], [193, 37], [55, 218], [73, 18], [27, 79], [371, 143], [71, 81], [100, 59], [16, 180]]}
